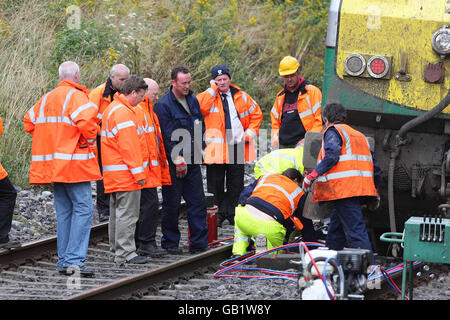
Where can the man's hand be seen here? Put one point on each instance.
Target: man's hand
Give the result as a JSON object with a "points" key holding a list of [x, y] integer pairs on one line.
{"points": [[181, 167], [309, 179], [141, 182]]}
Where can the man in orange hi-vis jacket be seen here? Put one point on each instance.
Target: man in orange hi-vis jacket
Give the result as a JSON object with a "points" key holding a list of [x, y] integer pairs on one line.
{"points": [[8, 196], [63, 126], [102, 96], [232, 121], [125, 160], [297, 107], [159, 174]]}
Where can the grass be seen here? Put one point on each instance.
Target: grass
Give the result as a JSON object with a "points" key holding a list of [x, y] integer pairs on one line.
{"points": [[151, 37]]}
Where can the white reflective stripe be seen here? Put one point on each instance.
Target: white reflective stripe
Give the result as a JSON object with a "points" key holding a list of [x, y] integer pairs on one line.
{"points": [[316, 106], [55, 120], [345, 174], [117, 167], [150, 129], [100, 116], [289, 196], [305, 113], [66, 102], [31, 112], [310, 111], [237, 230], [137, 170], [275, 113], [347, 138], [214, 140], [82, 108], [90, 140], [309, 102], [212, 92], [357, 157], [251, 133], [63, 156], [155, 163], [107, 132], [145, 164], [248, 112], [213, 109], [240, 238], [244, 96], [278, 155], [121, 126], [122, 167]]}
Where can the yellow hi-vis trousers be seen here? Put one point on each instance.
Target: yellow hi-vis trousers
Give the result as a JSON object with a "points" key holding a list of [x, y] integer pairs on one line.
{"points": [[247, 225]]}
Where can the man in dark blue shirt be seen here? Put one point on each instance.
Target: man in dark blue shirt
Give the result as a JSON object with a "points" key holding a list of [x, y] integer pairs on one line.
{"points": [[182, 130]]}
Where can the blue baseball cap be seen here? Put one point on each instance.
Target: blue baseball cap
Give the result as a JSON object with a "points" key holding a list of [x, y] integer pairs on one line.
{"points": [[219, 70]]}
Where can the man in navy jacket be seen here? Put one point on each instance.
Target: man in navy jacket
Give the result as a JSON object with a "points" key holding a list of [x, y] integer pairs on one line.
{"points": [[182, 130]]}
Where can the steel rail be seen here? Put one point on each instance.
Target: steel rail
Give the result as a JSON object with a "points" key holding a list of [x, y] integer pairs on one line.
{"points": [[40, 247], [125, 287]]}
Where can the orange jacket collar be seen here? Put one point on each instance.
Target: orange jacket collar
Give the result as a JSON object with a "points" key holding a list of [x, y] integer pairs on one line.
{"points": [[73, 84]]}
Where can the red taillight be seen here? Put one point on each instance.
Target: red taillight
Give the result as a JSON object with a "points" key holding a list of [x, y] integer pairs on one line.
{"points": [[377, 66]]}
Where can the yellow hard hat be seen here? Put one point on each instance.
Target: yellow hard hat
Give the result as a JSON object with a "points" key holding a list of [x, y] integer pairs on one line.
{"points": [[288, 65]]}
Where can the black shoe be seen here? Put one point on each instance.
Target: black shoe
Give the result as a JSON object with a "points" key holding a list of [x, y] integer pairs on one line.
{"points": [[139, 260], [199, 250], [174, 250], [220, 219], [103, 217], [82, 271], [10, 245], [150, 250]]}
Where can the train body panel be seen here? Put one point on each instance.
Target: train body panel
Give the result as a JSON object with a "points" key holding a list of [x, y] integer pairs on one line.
{"points": [[380, 63]]}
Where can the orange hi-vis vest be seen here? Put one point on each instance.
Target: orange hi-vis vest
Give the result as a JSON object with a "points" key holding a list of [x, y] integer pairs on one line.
{"points": [[249, 113], [64, 130], [352, 176], [125, 157], [282, 193], [96, 96], [3, 172], [308, 107], [159, 166]]}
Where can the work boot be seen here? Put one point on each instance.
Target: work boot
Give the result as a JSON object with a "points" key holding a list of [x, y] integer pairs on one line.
{"points": [[220, 219], [74, 270], [102, 217], [174, 250], [10, 245], [261, 243], [150, 250], [139, 260], [199, 250]]}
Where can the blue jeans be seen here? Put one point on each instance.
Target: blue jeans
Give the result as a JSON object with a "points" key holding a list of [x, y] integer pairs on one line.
{"points": [[74, 211]]}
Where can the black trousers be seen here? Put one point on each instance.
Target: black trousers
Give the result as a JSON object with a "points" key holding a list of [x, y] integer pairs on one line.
{"points": [[8, 196], [231, 175], [102, 197], [148, 217]]}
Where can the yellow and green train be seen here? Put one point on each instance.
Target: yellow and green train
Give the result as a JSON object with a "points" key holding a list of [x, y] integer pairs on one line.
{"points": [[388, 63]]}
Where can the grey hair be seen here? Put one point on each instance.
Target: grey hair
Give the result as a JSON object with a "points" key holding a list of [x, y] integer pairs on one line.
{"points": [[115, 69], [68, 70]]}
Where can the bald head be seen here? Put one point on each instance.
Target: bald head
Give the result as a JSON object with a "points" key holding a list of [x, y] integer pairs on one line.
{"points": [[69, 70], [118, 74], [152, 90]]}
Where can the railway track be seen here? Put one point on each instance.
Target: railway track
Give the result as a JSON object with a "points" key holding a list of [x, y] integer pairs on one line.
{"points": [[29, 272]]}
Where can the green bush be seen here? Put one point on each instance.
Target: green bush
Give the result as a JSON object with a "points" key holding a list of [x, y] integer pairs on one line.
{"points": [[151, 37]]}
